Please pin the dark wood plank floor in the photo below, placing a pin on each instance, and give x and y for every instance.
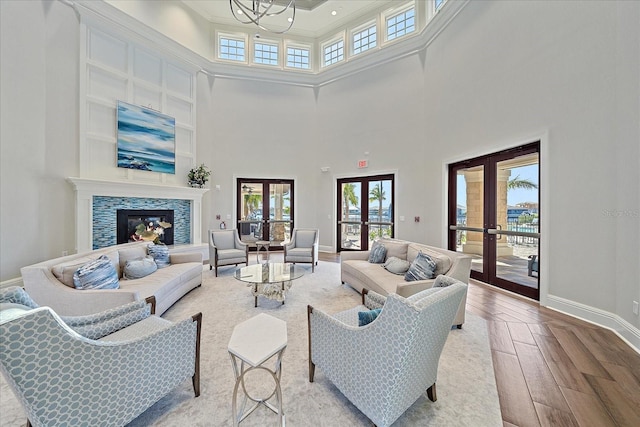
(552, 369)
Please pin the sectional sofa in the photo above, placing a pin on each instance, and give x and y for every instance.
(50, 283)
(359, 273)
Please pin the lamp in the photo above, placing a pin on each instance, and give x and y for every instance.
(268, 15)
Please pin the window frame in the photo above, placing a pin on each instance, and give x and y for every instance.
(266, 42)
(232, 36)
(301, 46)
(392, 13)
(330, 42)
(359, 29)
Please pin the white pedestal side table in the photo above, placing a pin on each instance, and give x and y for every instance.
(253, 342)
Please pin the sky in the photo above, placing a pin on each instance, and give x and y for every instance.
(513, 196)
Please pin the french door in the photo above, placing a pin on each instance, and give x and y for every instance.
(265, 210)
(365, 211)
(494, 216)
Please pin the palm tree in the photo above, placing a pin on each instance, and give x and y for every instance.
(525, 184)
(377, 193)
(348, 197)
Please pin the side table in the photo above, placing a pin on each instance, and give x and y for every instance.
(259, 245)
(253, 342)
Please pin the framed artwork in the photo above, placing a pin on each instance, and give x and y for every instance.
(146, 139)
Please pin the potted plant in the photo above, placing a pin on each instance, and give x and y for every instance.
(198, 176)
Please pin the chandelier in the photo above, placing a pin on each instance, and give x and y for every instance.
(268, 15)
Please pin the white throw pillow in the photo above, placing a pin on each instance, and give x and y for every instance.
(396, 265)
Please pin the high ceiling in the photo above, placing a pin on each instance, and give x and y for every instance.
(313, 17)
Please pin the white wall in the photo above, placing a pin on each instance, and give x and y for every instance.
(500, 74)
(38, 132)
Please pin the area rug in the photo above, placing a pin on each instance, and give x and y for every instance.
(467, 394)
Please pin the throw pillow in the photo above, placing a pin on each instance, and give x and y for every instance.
(139, 268)
(366, 317)
(160, 254)
(97, 274)
(396, 265)
(443, 281)
(377, 254)
(423, 267)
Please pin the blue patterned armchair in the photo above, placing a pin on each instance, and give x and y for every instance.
(103, 369)
(386, 365)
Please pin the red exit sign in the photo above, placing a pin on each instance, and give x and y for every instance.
(363, 164)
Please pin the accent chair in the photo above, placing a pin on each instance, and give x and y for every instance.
(384, 366)
(226, 248)
(101, 369)
(303, 247)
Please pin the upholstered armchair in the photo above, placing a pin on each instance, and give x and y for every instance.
(226, 248)
(386, 365)
(101, 369)
(303, 247)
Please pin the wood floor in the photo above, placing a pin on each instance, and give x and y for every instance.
(552, 369)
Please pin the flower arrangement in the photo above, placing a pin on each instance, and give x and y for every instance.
(198, 176)
(150, 232)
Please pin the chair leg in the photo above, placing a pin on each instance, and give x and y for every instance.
(28, 423)
(216, 271)
(431, 393)
(312, 366)
(196, 375)
(459, 326)
(210, 267)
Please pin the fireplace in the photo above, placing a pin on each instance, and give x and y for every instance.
(129, 219)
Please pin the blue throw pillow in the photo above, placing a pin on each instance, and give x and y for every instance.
(366, 317)
(97, 274)
(139, 268)
(422, 268)
(377, 254)
(160, 254)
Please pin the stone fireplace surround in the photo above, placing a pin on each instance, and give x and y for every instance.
(87, 188)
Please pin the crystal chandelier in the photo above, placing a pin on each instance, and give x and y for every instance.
(268, 15)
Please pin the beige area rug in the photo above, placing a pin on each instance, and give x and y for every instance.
(467, 393)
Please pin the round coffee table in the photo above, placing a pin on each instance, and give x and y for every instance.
(271, 280)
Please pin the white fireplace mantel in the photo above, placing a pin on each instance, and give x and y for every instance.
(87, 188)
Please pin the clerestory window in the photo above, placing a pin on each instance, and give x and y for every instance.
(298, 57)
(232, 49)
(265, 53)
(333, 52)
(401, 24)
(365, 39)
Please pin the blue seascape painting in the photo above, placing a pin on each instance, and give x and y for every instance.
(146, 139)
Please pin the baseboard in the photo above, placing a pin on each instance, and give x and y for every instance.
(625, 330)
(11, 282)
(326, 249)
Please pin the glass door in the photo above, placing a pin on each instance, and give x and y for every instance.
(494, 217)
(265, 210)
(365, 211)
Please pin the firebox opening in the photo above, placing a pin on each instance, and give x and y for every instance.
(129, 219)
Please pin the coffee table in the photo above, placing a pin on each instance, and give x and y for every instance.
(271, 280)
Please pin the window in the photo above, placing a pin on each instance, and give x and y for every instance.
(266, 53)
(298, 57)
(232, 49)
(401, 24)
(364, 40)
(439, 3)
(333, 52)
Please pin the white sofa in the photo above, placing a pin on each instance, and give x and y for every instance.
(359, 273)
(50, 282)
